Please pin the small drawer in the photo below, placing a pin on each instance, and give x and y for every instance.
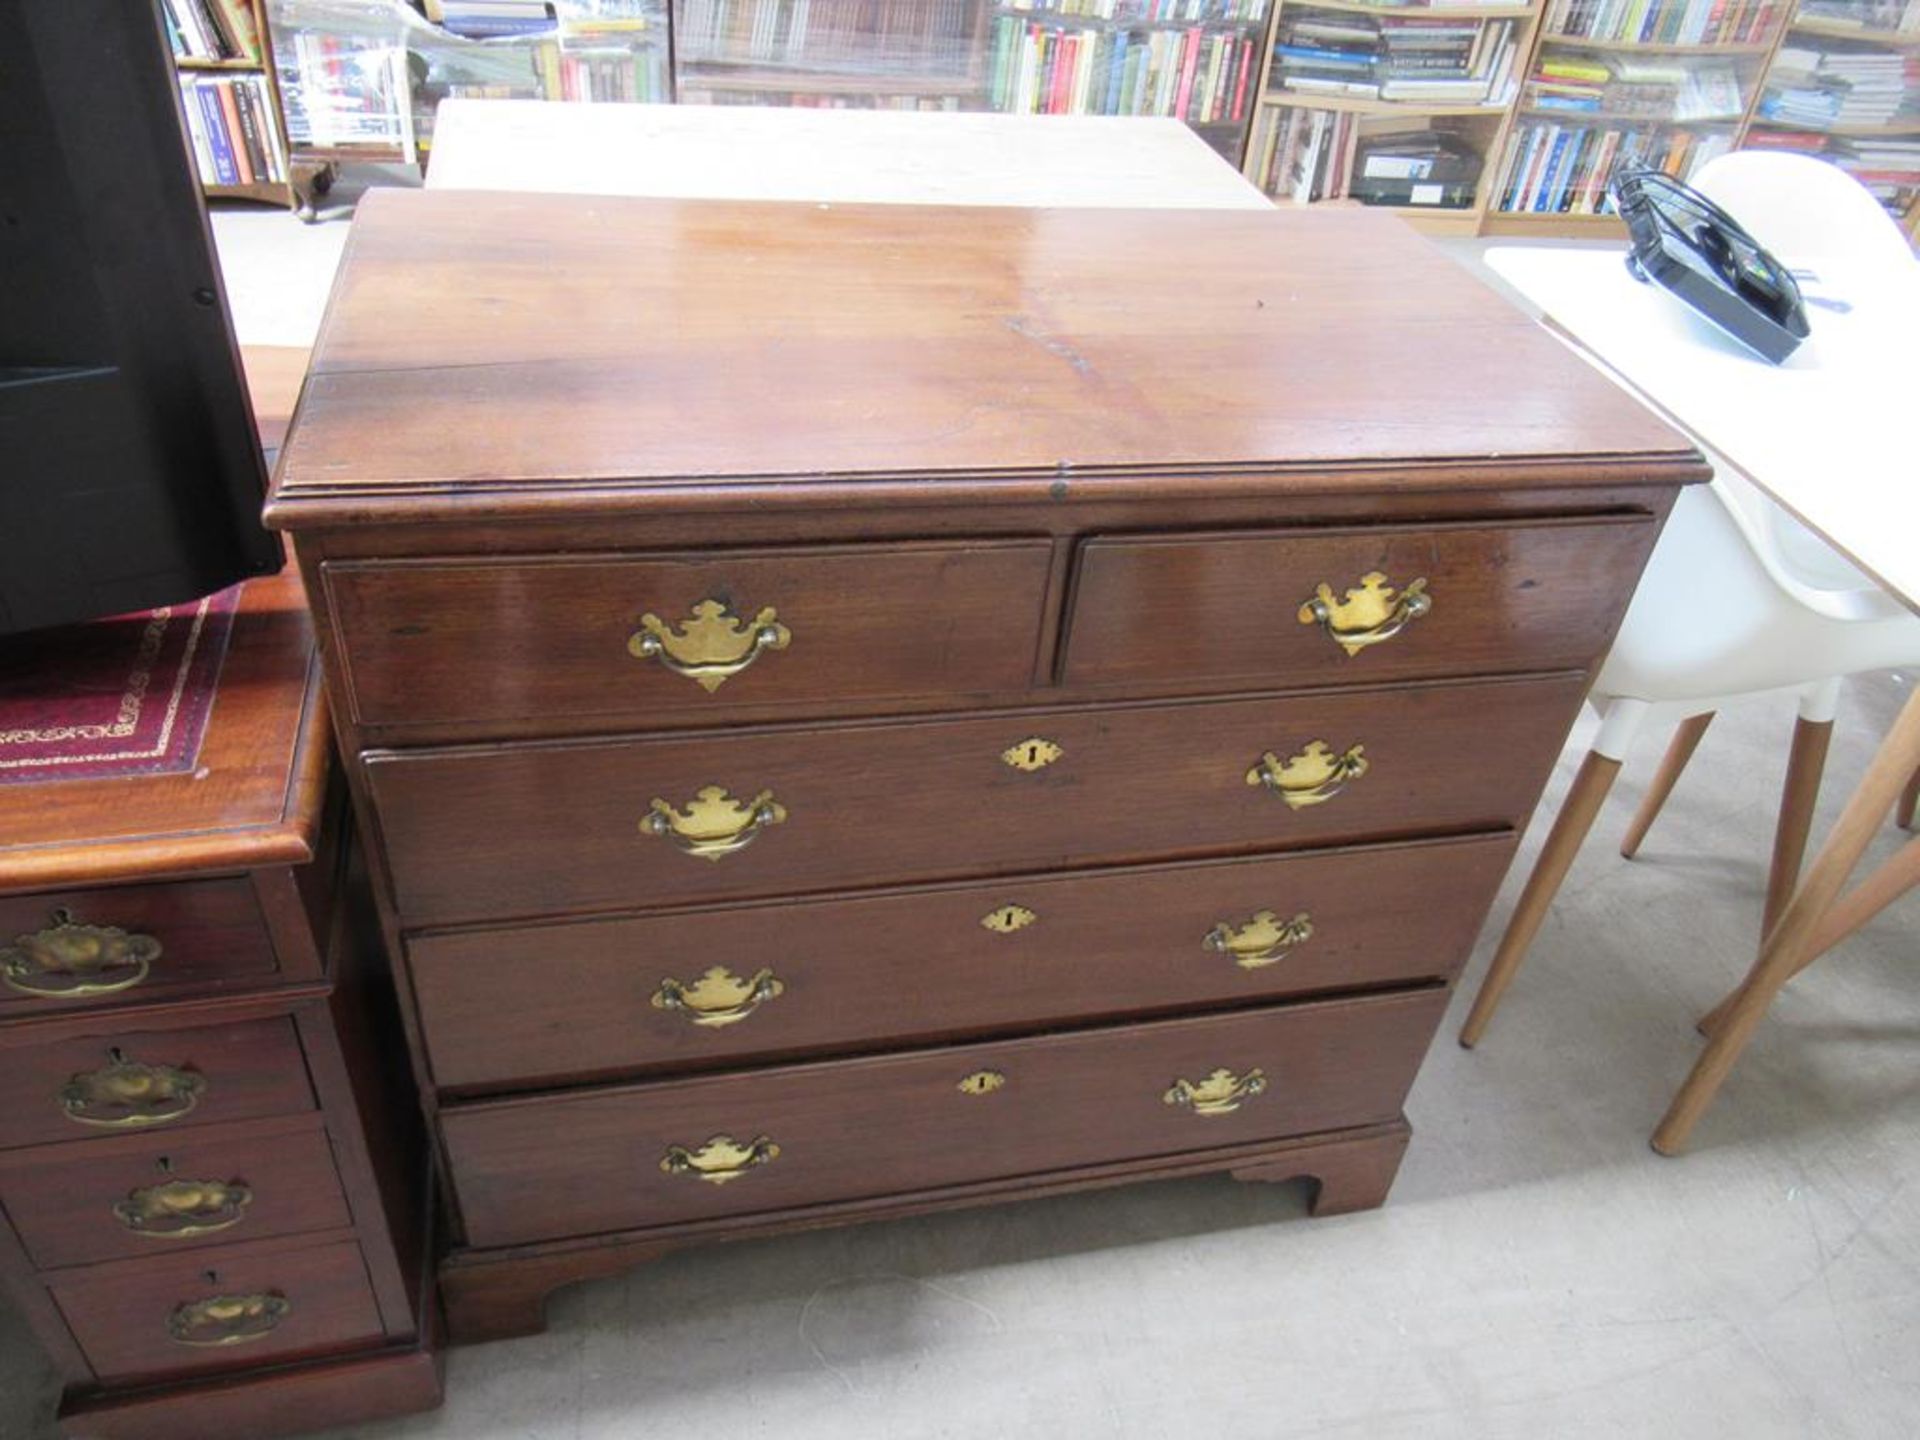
(705, 633)
(156, 1195)
(119, 1082)
(551, 1003)
(734, 1144)
(229, 1309)
(73, 948)
(557, 829)
(1351, 606)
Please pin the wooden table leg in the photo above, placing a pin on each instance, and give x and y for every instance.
(1794, 936)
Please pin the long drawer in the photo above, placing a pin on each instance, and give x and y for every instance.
(629, 1157)
(1361, 605)
(635, 636)
(491, 832)
(542, 1003)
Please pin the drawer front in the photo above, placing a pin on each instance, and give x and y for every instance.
(71, 948)
(156, 1195)
(541, 1004)
(644, 1155)
(478, 833)
(117, 1083)
(505, 641)
(1463, 600)
(137, 1320)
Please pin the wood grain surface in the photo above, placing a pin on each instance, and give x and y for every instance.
(522, 344)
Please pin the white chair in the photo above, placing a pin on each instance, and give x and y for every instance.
(1738, 598)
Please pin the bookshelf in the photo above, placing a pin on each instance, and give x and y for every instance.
(223, 59)
(1844, 85)
(1396, 106)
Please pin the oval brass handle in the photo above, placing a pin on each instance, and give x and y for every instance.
(718, 997)
(711, 646)
(179, 1209)
(1262, 940)
(721, 1159)
(1312, 777)
(227, 1319)
(1371, 613)
(714, 825)
(68, 959)
(1219, 1094)
(128, 1094)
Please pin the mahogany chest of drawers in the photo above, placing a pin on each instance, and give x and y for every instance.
(860, 710)
(213, 1202)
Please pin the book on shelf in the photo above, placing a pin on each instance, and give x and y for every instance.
(233, 130)
(212, 30)
(1821, 89)
(492, 19)
(1551, 168)
(1421, 166)
(1205, 77)
(1635, 88)
(1455, 60)
(341, 90)
(1664, 22)
(1888, 16)
(704, 93)
(1146, 12)
(907, 38)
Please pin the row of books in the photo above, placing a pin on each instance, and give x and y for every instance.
(343, 90)
(1204, 77)
(233, 130)
(211, 29)
(1303, 155)
(864, 36)
(492, 19)
(1664, 22)
(1636, 88)
(1894, 16)
(1553, 169)
(694, 91)
(613, 73)
(1453, 60)
(1888, 166)
(1147, 12)
(1824, 88)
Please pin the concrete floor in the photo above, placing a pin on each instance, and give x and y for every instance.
(1539, 1272)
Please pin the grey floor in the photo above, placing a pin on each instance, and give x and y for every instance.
(1539, 1272)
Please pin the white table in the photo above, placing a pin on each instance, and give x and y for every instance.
(1828, 436)
(836, 156)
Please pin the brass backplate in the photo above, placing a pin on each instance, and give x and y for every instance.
(1036, 752)
(1008, 918)
(982, 1082)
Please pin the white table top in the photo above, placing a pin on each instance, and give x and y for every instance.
(1829, 434)
(847, 156)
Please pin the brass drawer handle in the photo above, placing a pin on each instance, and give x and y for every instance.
(68, 959)
(1262, 940)
(714, 825)
(721, 1159)
(718, 997)
(1370, 615)
(1219, 1094)
(712, 646)
(128, 1094)
(1312, 777)
(227, 1319)
(179, 1209)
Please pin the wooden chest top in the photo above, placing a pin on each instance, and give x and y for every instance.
(552, 351)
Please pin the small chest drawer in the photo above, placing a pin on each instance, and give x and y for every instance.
(708, 633)
(735, 1144)
(226, 1309)
(117, 1082)
(67, 949)
(563, 828)
(155, 1195)
(541, 1004)
(1351, 606)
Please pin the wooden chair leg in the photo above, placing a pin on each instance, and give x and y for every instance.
(1792, 939)
(1679, 752)
(1806, 762)
(1570, 828)
(1909, 798)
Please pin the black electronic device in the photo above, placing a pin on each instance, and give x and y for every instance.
(1692, 248)
(130, 470)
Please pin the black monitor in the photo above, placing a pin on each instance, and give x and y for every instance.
(130, 472)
